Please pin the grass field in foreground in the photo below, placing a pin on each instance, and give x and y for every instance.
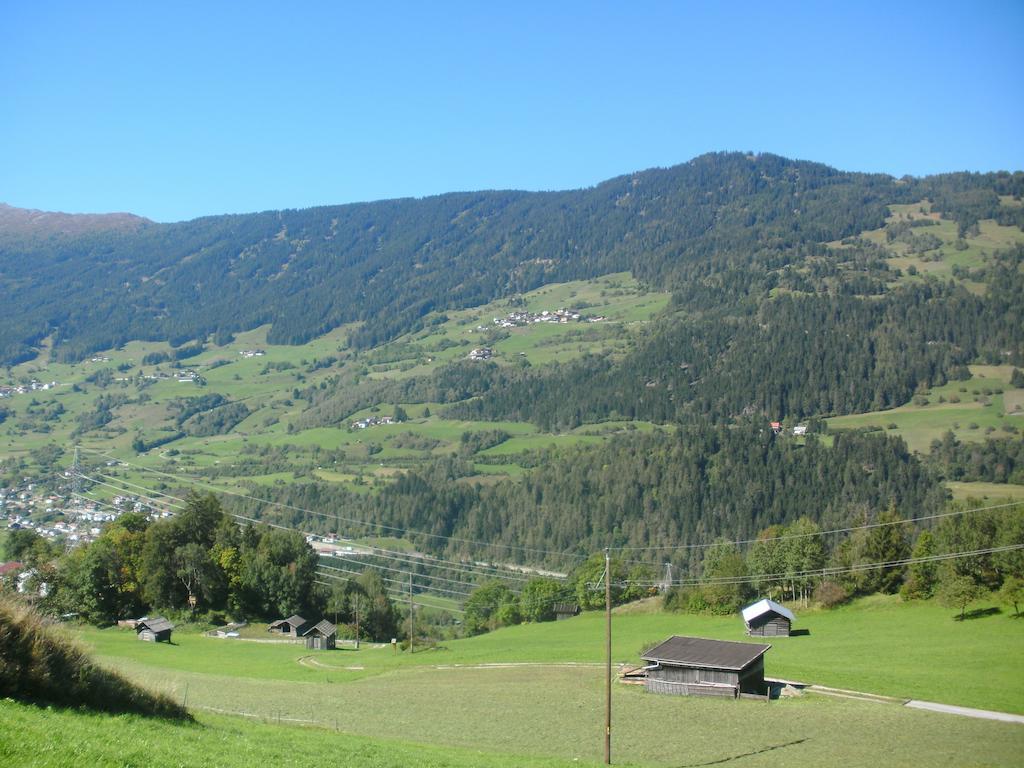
(879, 645)
(46, 738)
(557, 712)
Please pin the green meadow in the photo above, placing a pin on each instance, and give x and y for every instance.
(931, 656)
(535, 692)
(983, 406)
(971, 253)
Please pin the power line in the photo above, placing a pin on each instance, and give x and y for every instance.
(403, 572)
(405, 559)
(401, 597)
(354, 561)
(827, 571)
(849, 529)
(424, 587)
(425, 560)
(335, 516)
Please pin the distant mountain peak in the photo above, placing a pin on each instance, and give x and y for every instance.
(33, 222)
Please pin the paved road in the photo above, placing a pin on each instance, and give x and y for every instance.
(984, 714)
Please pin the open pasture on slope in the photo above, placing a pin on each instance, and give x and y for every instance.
(537, 690)
(986, 405)
(116, 398)
(878, 645)
(933, 247)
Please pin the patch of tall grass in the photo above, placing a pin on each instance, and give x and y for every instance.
(41, 663)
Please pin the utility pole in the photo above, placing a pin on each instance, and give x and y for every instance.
(608, 657)
(412, 607)
(356, 600)
(76, 474)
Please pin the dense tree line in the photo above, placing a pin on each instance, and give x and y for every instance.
(782, 561)
(198, 560)
(718, 227)
(992, 461)
(665, 488)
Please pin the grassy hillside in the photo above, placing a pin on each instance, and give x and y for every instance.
(985, 405)
(57, 738)
(930, 656)
(41, 663)
(820, 732)
(535, 692)
(145, 395)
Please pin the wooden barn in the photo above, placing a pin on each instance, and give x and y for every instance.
(766, 618)
(322, 637)
(154, 630)
(293, 626)
(565, 610)
(695, 666)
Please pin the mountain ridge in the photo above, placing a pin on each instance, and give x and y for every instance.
(388, 264)
(37, 222)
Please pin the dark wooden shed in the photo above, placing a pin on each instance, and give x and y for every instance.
(696, 666)
(322, 637)
(154, 630)
(766, 618)
(565, 610)
(293, 626)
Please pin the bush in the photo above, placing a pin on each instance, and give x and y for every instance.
(829, 594)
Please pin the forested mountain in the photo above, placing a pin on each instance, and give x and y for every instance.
(721, 229)
(782, 291)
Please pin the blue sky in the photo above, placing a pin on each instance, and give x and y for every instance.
(178, 110)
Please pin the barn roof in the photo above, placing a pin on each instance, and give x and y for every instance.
(295, 621)
(324, 628)
(155, 624)
(762, 607)
(701, 652)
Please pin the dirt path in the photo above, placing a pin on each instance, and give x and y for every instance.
(931, 706)
(984, 714)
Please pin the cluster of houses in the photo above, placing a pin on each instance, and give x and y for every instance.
(320, 636)
(481, 353)
(251, 353)
(22, 389)
(72, 521)
(184, 376)
(519, 319)
(372, 421)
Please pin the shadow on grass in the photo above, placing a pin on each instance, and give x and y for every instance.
(761, 751)
(979, 613)
(800, 633)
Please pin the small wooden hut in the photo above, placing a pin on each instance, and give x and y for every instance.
(322, 637)
(766, 618)
(154, 630)
(695, 666)
(293, 626)
(565, 610)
